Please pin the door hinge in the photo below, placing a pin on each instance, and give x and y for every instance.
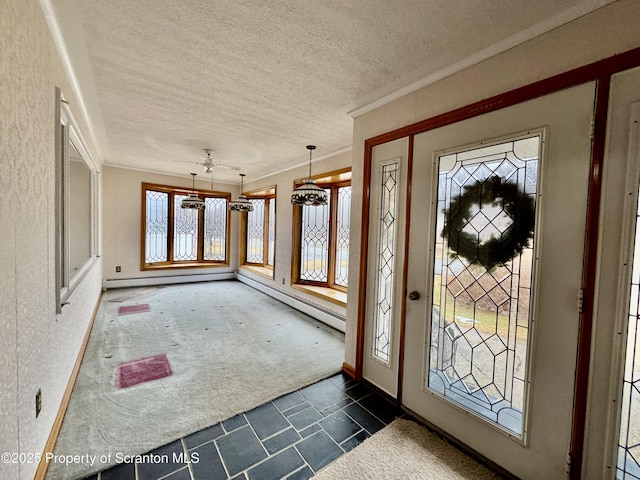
(580, 300)
(568, 463)
(592, 127)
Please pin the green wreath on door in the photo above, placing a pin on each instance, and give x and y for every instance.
(495, 251)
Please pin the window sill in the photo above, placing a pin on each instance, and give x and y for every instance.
(329, 294)
(173, 266)
(262, 271)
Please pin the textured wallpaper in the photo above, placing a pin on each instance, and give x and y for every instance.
(37, 347)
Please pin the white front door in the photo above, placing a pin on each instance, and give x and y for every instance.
(496, 236)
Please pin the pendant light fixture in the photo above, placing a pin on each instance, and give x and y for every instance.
(193, 200)
(242, 204)
(309, 193)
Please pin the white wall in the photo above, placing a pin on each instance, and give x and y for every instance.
(37, 347)
(610, 30)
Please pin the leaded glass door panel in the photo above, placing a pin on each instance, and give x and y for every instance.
(497, 227)
(385, 264)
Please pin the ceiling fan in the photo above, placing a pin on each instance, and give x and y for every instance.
(208, 163)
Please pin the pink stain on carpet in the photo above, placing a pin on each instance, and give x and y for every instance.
(143, 370)
(128, 309)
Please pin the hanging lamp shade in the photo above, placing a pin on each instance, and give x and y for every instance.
(309, 193)
(193, 200)
(241, 204)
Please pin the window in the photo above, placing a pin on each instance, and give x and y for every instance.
(321, 234)
(175, 237)
(75, 205)
(259, 231)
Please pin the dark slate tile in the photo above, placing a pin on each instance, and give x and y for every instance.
(153, 469)
(354, 441)
(124, 471)
(305, 418)
(364, 418)
(345, 402)
(242, 476)
(240, 449)
(203, 436)
(209, 464)
(358, 391)
(182, 474)
(339, 426)
(323, 394)
(297, 408)
(319, 450)
(234, 423)
(310, 430)
(277, 467)
(305, 474)
(288, 401)
(281, 441)
(341, 379)
(330, 409)
(266, 420)
(380, 407)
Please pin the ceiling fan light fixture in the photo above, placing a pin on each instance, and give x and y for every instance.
(309, 193)
(242, 203)
(193, 201)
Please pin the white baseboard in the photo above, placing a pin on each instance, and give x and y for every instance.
(319, 314)
(149, 281)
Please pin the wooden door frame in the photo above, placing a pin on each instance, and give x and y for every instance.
(600, 72)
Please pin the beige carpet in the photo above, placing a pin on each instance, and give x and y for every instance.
(405, 450)
(230, 348)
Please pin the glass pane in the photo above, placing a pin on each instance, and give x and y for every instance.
(629, 442)
(386, 261)
(482, 279)
(255, 232)
(342, 237)
(314, 255)
(79, 211)
(272, 232)
(185, 231)
(215, 229)
(157, 226)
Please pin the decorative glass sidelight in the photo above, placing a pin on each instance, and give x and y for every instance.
(185, 231)
(482, 279)
(314, 254)
(629, 443)
(215, 228)
(387, 240)
(255, 231)
(157, 226)
(342, 236)
(271, 240)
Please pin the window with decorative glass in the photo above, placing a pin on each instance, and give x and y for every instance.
(174, 237)
(258, 231)
(321, 235)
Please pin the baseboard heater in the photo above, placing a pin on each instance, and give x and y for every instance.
(168, 280)
(324, 316)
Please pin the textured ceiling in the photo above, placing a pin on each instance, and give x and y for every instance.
(256, 81)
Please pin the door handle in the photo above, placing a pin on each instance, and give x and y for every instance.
(414, 295)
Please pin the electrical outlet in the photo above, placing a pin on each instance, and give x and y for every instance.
(38, 402)
(118, 269)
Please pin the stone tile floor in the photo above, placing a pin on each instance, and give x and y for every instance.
(291, 437)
